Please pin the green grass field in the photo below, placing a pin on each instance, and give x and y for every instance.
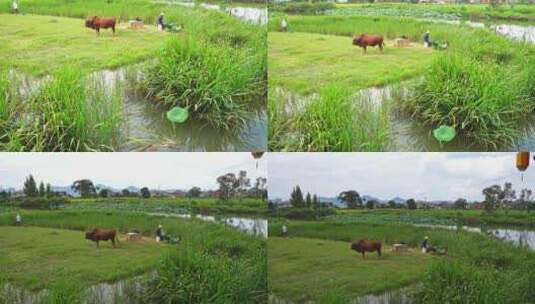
(301, 269)
(305, 62)
(37, 257)
(40, 45)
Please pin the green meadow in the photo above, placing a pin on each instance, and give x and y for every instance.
(39, 45)
(37, 257)
(464, 86)
(321, 266)
(305, 62)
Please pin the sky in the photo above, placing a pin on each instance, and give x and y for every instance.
(425, 176)
(120, 170)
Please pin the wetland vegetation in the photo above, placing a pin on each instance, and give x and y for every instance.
(464, 87)
(226, 100)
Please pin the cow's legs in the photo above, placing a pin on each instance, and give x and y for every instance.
(364, 50)
(113, 29)
(98, 31)
(381, 47)
(97, 245)
(379, 251)
(363, 255)
(113, 242)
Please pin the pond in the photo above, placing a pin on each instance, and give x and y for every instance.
(522, 237)
(146, 128)
(253, 15)
(252, 226)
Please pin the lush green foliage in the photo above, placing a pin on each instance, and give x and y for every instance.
(208, 80)
(304, 269)
(483, 85)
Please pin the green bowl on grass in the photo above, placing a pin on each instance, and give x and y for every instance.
(178, 114)
(444, 133)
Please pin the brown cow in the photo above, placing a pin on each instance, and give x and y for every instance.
(96, 23)
(366, 40)
(366, 245)
(97, 235)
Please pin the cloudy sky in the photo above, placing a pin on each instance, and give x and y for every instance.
(432, 176)
(154, 170)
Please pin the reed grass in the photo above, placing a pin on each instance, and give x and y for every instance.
(207, 80)
(336, 120)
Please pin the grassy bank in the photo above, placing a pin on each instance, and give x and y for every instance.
(37, 257)
(446, 217)
(443, 11)
(246, 206)
(211, 260)
(504, 272)
(302, 269)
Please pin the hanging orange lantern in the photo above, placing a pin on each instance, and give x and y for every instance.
(522, 161)
(257, 154)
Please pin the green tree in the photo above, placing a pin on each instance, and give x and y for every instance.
(85, 187)
(371, 204)
(104, 193)
(244, 182)
(30, 187)
(460, 203)
(194, 192)
(296, 198)
(228, 186)
(145, 192)
(42, 189)
(48, 190)
(315, 202)
(351, 198)
(308, 200)
(411, 204)
(392, 204)
(260, 188)
(125, 192)
(493, 196)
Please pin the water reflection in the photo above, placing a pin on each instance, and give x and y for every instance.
(519, 237)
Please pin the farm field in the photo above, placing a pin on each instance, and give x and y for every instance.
(430, 92)
(323, 266)
(114, 92)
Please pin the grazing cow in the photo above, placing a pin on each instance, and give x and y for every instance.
(96, 23)
(366, 40)
(366, 245)
(97, 235)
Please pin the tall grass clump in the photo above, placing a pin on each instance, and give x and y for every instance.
(484, 102)
(336, 120)
(213, 82)
(214, 273)
(65, 291)
(67, 114)
(10, 106)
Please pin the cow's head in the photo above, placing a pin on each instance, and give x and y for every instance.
(90, 22)
(357, 246)
(357, 40)
(89, 234)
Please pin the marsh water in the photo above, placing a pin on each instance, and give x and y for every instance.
(145, 127)
(522, 237)
(252, 226)
(254, 15)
